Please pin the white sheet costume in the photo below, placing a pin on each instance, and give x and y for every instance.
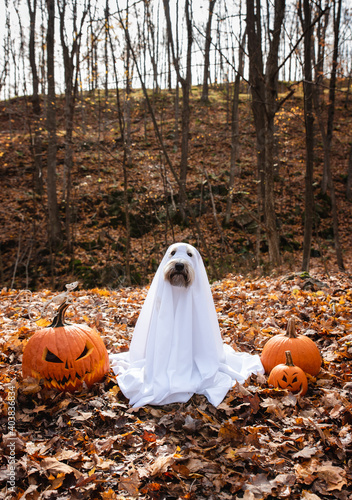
(176, 349)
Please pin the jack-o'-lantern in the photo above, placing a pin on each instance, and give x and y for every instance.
(304, 351)
(288, 376)
(65, 356)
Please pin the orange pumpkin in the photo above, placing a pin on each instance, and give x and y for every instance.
(304, 351)
(65, 356)
(288, 376)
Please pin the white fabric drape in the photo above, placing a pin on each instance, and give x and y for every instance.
(176, 350)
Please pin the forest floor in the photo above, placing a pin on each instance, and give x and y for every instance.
(260, 442)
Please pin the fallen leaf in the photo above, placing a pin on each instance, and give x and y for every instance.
(130, 484)
(306, 452)
(55, 467)
(161, 465)
(335, 477)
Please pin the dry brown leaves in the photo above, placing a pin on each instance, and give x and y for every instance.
(259, 443)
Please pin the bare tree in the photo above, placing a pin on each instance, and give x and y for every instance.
(92, 50)
(205, 89)
(54, 229)
(125, 129)
(326, 134)
(71, 58)
(327, 137)
(235, 131)
(185, 82)
(152, 43)
(106, 52)
(305, 15)
(7, 38)
(328, 181)
(321, 29)
(264, 107)
(349, 176)
(37, 136)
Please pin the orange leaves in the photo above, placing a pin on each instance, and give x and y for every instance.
(151, 488)
(102, 292)
(149, 437)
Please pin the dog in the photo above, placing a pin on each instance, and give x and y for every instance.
(179, 270)
(176, 349)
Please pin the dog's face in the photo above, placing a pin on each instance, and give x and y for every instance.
(179, 270)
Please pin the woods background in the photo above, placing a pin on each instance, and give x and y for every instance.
(129, 125)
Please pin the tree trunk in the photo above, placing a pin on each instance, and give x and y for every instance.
(331, 112)
(264, 107)
(307, 27)
(124, 117)
(54, 229)
(152, 45)
(127, 157)
(256, 81)
(332, 92)
(70, 58)
(234, 132)
(349, 177)
(328, 182)
(271, 82)
(205, 90)
(186, 86)
(37, 137)
(322, 25)
(106, 54)
(6, 48)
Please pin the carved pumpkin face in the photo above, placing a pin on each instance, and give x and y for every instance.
(288, 376)
(65, 356)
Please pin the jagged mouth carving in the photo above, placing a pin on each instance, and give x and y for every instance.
(66, 381)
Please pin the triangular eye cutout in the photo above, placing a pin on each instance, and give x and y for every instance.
(86, 351)
(51, 357)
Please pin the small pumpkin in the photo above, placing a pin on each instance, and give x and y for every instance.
(289, 376)
(304, 351)
(65, 356)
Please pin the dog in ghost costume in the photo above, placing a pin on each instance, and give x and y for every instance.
(176, 349)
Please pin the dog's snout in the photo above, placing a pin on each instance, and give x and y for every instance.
(179, 266)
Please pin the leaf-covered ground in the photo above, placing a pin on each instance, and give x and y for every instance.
(259, 443)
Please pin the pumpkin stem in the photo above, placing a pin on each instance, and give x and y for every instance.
(291, 329)
(59, 319)
(289, 361)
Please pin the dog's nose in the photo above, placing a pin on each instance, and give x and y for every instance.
(179, 266)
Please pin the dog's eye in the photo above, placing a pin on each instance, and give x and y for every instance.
(190, 254)
(173, 252)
